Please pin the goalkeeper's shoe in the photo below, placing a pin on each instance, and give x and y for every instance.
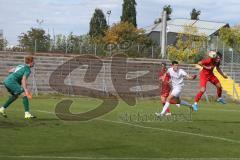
(29, 116)
(2, 112)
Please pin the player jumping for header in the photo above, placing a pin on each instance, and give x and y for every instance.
(207, 75)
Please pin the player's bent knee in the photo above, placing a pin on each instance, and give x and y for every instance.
(15, 96)
(219, 86)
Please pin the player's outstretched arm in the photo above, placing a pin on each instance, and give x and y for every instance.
(221, 72)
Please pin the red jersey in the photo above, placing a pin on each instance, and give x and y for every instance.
(165, 78)
(209, 62)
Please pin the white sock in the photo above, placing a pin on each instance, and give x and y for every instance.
(165, 108)
(185, 103)
(27, 113)
(2, 108)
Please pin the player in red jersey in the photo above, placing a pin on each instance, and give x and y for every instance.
(207, 75)
(164, 77)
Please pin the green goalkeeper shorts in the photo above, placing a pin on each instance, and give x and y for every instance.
(13, 87)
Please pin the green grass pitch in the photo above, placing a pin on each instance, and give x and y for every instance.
(214, 132)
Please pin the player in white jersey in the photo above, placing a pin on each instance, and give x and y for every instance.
(177, 79)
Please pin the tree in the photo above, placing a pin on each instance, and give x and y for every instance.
(60, 45)
(195, 14)
(189, 46)
(168, 10)
(3, 44)
(71, 43)
(98, 24)
(129, 12)
(125, 37)
(125, 32)
(231, 37)
(35, 36)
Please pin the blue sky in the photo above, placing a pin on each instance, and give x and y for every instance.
(65, 16)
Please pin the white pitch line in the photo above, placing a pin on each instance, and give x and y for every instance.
(87, 158)
(112, 158)
(162, 129)
(175, 131)
(45, 112)
(223, 110)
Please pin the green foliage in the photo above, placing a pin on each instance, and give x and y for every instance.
(189, 46)
(129, 12)
(231, 37)
(27, 40)
(70, 43)
(98, 24)
(127, 36)
(195, 14)
(125, 32)
(60, 43)
(3, 44)
(168, 9)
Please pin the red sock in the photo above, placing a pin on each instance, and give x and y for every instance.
(198, 97)
(172, 101)
(219, 92)
(168, 110)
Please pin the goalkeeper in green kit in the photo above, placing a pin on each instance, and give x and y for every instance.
(16, 84)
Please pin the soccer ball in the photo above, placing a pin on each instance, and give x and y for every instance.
(212, 54)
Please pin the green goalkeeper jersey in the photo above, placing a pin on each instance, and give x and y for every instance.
(19, 72)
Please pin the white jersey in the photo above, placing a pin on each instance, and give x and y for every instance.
(177, 77)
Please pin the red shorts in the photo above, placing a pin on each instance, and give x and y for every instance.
(204, 78)
(165, 91)
(165, 95)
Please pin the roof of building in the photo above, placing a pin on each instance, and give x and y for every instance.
(177, 26)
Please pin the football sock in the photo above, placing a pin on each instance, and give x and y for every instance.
(173, 101)
(165, 108)
(10, 100)
(219, 92)
(168, 110)
(26, 104)
(199, 95)
(185, 103)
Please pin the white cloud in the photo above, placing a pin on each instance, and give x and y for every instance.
(64, 16)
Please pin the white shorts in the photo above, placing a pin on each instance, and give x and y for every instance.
(176, 91)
